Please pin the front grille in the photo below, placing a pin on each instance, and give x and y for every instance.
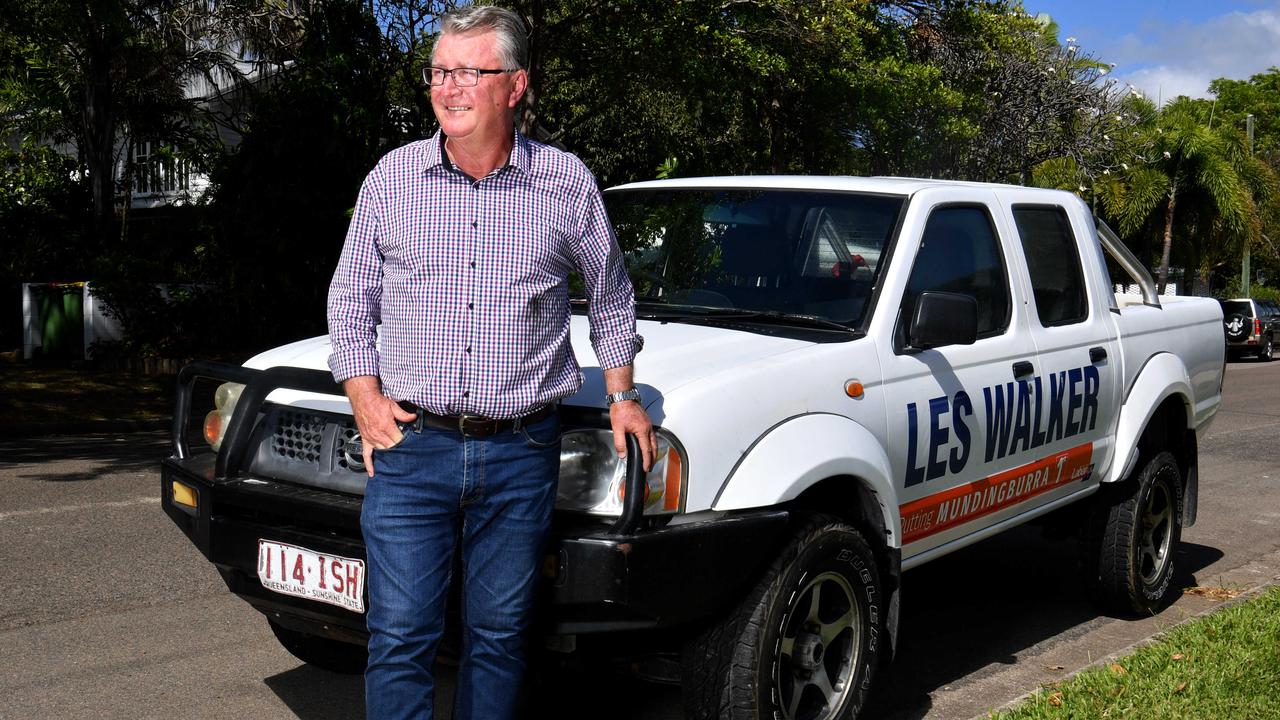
(306, 447)
(298, 436)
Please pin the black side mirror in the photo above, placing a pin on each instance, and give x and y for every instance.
(943, 318)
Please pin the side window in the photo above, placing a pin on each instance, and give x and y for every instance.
(959, 253)
(1054, 263)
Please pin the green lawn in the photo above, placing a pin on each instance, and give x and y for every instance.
(34, 395)
(1222, 666)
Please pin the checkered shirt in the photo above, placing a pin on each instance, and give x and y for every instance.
(454, 292)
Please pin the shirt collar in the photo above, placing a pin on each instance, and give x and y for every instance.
(433, 153)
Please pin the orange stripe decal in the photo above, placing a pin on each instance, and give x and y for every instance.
(940, 511)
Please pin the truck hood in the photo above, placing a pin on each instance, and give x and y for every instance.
(674, 354)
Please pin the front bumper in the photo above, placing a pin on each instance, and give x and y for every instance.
(596, 581)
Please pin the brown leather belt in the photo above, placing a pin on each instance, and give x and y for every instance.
(474, 426)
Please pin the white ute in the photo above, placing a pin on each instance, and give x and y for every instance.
(851, 377)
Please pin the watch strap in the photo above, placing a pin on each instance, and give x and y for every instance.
(632, 394)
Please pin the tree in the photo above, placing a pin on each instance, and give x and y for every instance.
(1258, 96)
(280, 201)
(87, 73)
(1008, 97)
(1190, 171)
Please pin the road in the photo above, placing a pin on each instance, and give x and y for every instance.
(108, 612)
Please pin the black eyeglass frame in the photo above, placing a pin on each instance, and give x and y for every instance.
(446, 72)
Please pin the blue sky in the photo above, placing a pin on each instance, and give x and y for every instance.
(1168, 48)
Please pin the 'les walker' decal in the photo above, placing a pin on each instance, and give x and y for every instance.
(940, 511)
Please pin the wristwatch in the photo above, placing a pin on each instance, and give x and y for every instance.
(632, 394)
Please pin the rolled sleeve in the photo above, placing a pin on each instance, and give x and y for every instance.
(610, 297)
(355, 293)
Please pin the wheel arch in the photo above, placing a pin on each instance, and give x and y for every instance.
(1157, 416)
(844, 473)
(841, 459)
(1156, 405)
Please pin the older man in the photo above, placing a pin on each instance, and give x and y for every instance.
(449, 316)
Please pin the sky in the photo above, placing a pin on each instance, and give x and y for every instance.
(1167, 48)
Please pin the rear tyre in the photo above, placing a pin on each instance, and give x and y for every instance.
(333, 655)
(1267, 351)
(1135, 531)
(805, 642)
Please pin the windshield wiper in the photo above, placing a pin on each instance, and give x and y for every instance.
(676, 311)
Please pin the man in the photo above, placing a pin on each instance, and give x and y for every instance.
(449, 318)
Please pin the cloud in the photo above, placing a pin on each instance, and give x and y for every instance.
(1166, 60)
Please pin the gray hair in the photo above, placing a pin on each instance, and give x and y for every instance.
(508, 28)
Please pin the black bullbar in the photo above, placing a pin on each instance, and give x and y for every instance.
(600, 577)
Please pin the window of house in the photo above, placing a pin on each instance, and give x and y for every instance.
(960, 253)
(1053, 261)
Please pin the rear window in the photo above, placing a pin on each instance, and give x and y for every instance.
(1237, 307)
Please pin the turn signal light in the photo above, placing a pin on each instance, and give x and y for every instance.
(213, 428)
(671, 497)
(184, 495)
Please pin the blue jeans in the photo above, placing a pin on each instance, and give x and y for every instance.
(497, 494)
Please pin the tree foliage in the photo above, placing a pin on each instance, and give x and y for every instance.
(318, 90)
(1189, 188)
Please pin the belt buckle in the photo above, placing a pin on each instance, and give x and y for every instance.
(464, 418)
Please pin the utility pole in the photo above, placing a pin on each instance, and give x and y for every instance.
(1244, 266)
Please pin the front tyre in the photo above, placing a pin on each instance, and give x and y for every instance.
(805, 642)
(1136, 538)
(333, 655)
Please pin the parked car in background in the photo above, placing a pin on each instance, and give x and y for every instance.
(1250, 327)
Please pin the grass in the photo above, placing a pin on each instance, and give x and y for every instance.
(1224, 665)
(35, 396)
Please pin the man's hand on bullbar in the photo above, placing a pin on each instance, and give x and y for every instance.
(628, 417)
(376, 417)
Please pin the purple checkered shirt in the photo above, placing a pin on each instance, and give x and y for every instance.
(454, 292)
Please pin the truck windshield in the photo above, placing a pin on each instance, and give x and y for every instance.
(802, 253)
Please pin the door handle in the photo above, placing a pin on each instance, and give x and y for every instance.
(1097, 354)
(1022, 368)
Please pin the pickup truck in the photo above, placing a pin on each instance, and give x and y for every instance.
(851, 377)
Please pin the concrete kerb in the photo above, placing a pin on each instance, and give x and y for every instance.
(1272, 561)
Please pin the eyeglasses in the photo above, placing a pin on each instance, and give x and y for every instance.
(462, 77)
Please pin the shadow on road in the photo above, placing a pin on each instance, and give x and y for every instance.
(579, 694)
(975, 608)
(314, 694)
(113, 452)
(983, 605)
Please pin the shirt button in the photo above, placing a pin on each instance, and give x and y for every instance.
(466, 393)
(475, 224)
(473, 263)
(471, 306)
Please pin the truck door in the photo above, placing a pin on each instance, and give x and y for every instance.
(1078, 376)
(941, 448)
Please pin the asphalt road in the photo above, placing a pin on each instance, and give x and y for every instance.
(108, 612)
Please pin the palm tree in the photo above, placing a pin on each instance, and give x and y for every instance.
(1189, 169)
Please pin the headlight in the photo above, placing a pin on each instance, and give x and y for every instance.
(224, 404)
(593, 479)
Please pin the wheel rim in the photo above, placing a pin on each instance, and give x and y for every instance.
(1157, 531)
(819, 649)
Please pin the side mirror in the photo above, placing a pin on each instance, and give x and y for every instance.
(943, 318)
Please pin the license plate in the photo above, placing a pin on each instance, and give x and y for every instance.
(292, 570)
